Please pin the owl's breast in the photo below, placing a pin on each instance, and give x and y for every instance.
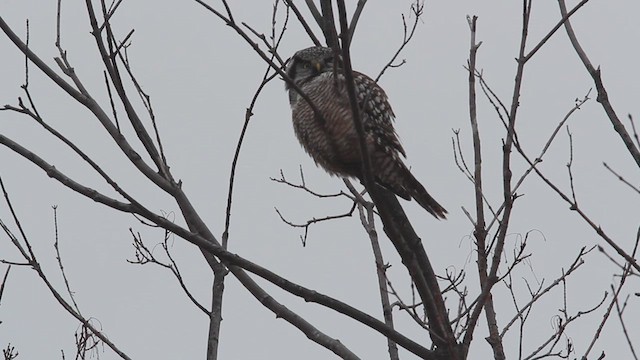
(328, 135)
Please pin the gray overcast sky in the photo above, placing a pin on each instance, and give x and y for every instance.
(201, 77)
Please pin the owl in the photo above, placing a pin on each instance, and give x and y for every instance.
(329, 136)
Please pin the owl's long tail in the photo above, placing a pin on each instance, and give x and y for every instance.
(422, 197)
(391, 173)
(400, 181)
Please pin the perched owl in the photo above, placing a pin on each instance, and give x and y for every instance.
(331, 139)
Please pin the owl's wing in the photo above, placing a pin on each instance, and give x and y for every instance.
(378, 116)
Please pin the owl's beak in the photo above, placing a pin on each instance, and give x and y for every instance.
(317, 65)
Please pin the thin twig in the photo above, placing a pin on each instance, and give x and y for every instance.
(597, 228)
(231, 23)
(569, 168)
(144, 256)
(577, 263)
(4, 282)
(32, 260)
(417, 9)
(615, 294)
(305, 226)
(59, 259)
(623, 180)
(303, 186)
(619, 312)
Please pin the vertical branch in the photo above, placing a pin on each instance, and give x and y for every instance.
(381, 271)
(219, 270)
(328, 25)
(367, 219)
(480, 231)
(215, 317)
(485, 296)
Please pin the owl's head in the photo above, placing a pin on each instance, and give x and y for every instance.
(308, 63)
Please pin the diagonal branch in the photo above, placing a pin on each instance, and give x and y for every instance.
(303, 22)
(110, 63)
(93, 106)
(35, 265)
(603, 97)
(396, 225)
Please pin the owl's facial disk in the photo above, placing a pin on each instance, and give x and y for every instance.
(309, 63)
(301, 70)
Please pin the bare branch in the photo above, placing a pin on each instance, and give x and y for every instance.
(562, 21)
(234, 163)
(10, 352)
(367, 219)
(480, 231)
(4, 282)
(623, 180)
(92, 105)
(65, 180)
(619, 311)
(603, 97)
(33, 262)
(417, 9)
(315, 13)
(230, 22)
(305, 226)
(303, 22)
(420, 271)
(561, 324)
(59, 259)
(303, 186)
(577, 263)
(109, 59)
(356, 16)
(573, 206)
(633, 129)
(615, 295)
(569, 165)
(145, 256)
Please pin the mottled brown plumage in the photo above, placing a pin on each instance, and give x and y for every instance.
(331, 139)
